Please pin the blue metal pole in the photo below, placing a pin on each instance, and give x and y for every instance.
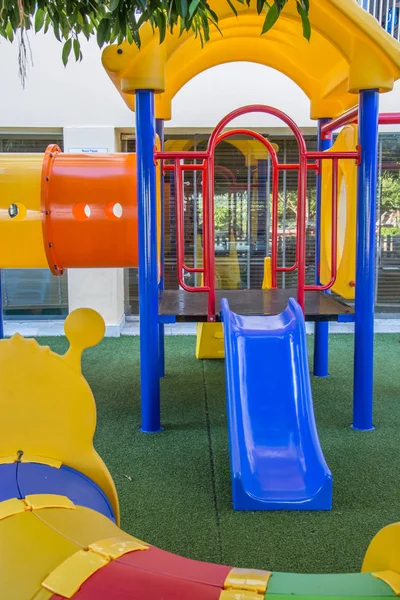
(365, 257)
(161, 332)
(148, 274)
(321, 329)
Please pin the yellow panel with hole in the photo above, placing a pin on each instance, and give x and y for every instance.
(383, 553)
(83, 525)
(347, 213)
(63, 421)
(21, 240)
(25, 535)
(348, 51)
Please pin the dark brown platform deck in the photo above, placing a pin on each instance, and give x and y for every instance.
(187, 306)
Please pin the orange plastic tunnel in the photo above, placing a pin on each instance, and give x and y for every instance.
(68, 210)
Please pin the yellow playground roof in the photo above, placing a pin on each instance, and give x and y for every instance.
(349, 51)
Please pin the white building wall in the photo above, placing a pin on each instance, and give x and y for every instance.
(101, 289)
(82, 94)
(82, 101)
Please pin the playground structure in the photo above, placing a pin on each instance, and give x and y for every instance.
(276, 462)
(58, 502)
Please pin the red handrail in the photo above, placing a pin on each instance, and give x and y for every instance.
(180, 233)
(207, 168)
(351, 116)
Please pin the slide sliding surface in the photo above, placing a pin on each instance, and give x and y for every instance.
(276, 458)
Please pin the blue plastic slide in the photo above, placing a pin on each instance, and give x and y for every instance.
(276, 458)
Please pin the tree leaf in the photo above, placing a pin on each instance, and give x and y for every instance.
(271, 18)
(260, 5)
(182, 7)
(77, 49)
(162, 25)
(66, 51)
(47, 24)
(303, 12)
(193, 6)
(233, 7)
(9, 31)
(103, 31)
(39, 19)
(114, 5)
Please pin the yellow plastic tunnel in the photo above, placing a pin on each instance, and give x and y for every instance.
(68, 210)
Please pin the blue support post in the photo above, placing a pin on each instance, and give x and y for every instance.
(161, 332)
(365, 261)
(148, 268)
(321, 329)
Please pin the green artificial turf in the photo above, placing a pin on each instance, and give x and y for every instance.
(174, 487)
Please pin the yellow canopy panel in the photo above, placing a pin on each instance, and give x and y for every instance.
(349, 51)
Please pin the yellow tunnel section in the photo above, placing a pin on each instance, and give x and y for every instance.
(21, 237)
(62, 210)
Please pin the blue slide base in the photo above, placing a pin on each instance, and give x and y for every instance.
(276, 458)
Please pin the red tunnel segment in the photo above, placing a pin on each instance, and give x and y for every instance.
(154, 575)
(89, 203)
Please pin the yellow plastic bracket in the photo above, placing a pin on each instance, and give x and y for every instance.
(391, 578)
(68, 577)
(209, 340)
(239, 595)
(248, 580)
(11, 507)
(267, 281)
(112, 548)
(38, 501)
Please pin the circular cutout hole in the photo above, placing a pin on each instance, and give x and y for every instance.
(81, 211)
(17, 211)
(117, 210)
(113, 210)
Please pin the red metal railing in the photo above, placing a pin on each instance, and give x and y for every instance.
(351, 116)
(207, 167)
(216, 136)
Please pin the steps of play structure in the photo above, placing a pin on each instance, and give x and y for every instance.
(276, 458)
(186, 306)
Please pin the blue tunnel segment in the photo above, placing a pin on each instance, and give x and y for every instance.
(20, 479)
(276, 458)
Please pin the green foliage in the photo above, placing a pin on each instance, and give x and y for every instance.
(119, 20)
(390, 191)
